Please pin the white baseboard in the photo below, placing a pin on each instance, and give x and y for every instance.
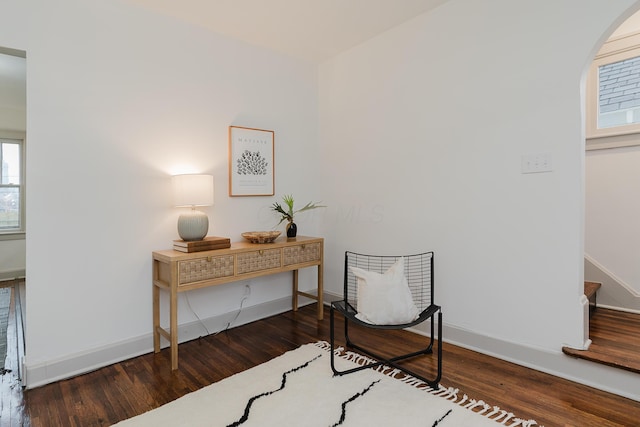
(37, 375)
(601, 377)
(625, 310)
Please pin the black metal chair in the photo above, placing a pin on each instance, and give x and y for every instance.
(418, 271)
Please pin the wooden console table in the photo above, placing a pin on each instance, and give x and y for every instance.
(178, 272)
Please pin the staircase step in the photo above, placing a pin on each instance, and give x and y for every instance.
(615, 339)
(605, 356)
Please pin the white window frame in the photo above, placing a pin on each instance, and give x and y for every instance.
(17, 233)
(614, 50)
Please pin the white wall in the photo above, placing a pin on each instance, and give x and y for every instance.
(119, 99)
(13, 119)
(629, 26)
(425, 127)
(612, 236)
(13, 258)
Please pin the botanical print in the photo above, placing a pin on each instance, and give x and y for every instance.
(250, 162)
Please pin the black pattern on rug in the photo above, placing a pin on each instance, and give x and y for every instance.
(283, 382)
(442, 418)
(343, 415)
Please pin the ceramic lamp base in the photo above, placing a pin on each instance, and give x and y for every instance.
(193, 225)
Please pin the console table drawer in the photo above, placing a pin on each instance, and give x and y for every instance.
(301, 254)
(205, 268)
(248, 262)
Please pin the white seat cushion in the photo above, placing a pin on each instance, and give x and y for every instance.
(385, 299)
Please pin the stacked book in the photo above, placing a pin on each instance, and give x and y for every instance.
(207, 244)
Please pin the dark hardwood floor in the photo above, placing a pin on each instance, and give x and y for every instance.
(615, 337)
(125, 389)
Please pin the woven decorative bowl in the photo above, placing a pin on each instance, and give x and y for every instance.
(261, 236)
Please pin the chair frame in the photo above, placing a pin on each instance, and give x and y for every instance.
(428, 311)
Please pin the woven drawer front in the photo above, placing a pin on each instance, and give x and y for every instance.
(205, 269)
(301, 253)
(249, 262)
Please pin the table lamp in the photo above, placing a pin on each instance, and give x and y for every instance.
(192, 191)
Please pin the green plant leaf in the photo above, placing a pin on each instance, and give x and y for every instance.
(289, 213)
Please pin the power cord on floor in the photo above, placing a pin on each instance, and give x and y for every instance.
(247, 292)
(245, 296)
(186, 296)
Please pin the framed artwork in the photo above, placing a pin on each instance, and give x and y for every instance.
(251, 162)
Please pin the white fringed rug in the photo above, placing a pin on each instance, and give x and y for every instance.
(299, 389)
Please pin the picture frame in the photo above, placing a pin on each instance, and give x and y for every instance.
(251, 162)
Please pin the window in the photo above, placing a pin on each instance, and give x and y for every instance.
(613, 94)
(11, 186)
(619, 93)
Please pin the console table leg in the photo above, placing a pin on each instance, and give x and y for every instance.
(173, 331)
(320, 293)
(156, 319)
(295, 290)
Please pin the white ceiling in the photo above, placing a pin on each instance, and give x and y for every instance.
(313, 30)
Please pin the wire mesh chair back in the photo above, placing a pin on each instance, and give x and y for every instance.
(418, 270)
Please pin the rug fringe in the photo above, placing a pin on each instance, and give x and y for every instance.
(449, 393)
(323, 345)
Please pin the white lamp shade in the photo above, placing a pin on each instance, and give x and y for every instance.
(193, 190)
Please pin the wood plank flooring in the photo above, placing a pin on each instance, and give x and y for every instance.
(125, 389)
(615, 337)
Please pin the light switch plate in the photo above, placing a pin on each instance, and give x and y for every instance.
(536, 163)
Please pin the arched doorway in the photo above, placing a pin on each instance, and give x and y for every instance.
(12, 211)
(611, 180)
(612, 172)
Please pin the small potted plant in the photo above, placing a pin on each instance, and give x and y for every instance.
(288, 213)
